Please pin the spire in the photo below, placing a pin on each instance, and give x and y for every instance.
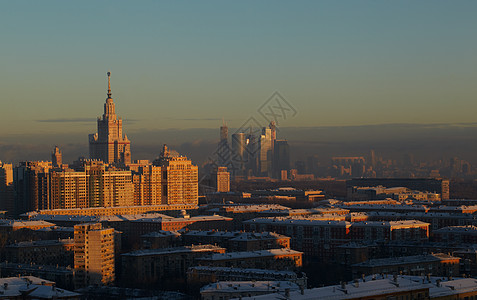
(109, 85)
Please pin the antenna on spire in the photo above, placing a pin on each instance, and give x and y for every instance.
(109, 84)
(223, 122)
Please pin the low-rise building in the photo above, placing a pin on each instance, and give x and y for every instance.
(386, 287)
(236, 241)
(63, 276)
(161, 239)
(7, 226)
(201, 275)
(319, 238)
(274, 259)
(456, 234)
(438, 264)
(160, 266)
(43, 252)
(29, 287)
(237, 289)
(408, 230)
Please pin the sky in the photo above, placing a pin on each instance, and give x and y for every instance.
(190, 64)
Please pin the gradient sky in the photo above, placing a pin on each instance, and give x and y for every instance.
(180, 64)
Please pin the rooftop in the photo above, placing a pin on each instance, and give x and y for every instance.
(241, 270)
(13, 287)
(471, 229)
(248, 286)
(404, 260)
(174, 250)
(251, 254)
(161, 233)
(351, 291)
(234, 235)
(21, 223)
(41, 243)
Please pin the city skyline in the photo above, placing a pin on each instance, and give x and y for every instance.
(238, 150)
(339, 64)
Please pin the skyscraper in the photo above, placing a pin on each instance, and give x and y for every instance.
(265, 152)
(56, 157)
(281, 157)
(238, 152)
(273, 132)
(223, 149)
(108, 144)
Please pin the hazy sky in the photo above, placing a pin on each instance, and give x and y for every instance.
(180, 64)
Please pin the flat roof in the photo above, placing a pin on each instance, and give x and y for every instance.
(251, 254)
(404, 260)
(173, 250)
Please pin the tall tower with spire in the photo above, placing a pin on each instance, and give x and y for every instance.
(109, 144)
(56, 157)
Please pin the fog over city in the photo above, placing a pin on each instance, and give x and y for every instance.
(425, 141)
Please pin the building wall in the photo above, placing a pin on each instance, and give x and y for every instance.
(6, 188)
(141, 269)
(94, 255)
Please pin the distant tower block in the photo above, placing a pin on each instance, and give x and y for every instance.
(109, 144)
(273, 128)
(223, 148)
(224, 131)
(221, 180)
(56, 157)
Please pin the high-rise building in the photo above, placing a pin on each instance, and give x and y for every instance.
(179, 178)
(56, 157)
(92, 184)
(6, 188)
(109, 144)
(281, 157)
(148, 182)
(223, 148)
(221, 180)
(93, 255)
(238, 149)
(31, 184)
(68, 189)
(251, 156)
(108, 186)
(265, 152)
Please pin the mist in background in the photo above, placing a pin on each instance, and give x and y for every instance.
(391, 141)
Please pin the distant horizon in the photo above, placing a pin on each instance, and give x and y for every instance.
(426, 141)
